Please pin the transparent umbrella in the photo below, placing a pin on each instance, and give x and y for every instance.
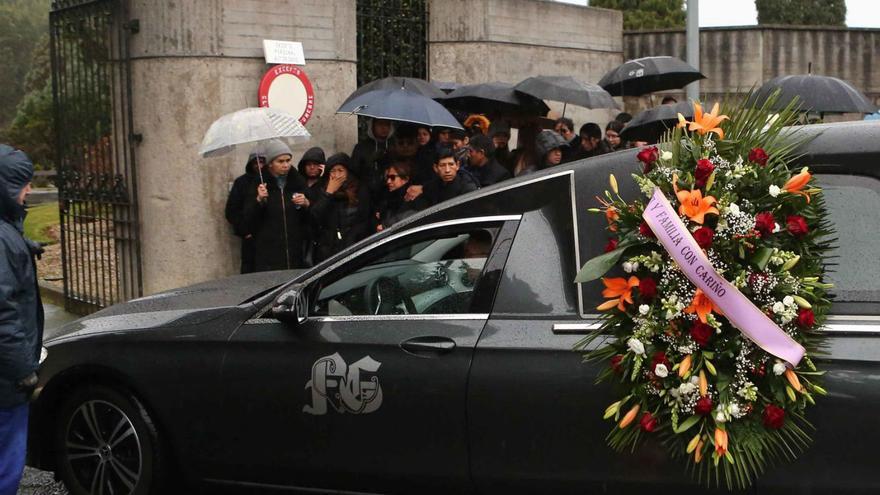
(251, 126)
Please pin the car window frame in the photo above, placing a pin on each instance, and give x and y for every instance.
(506, 225)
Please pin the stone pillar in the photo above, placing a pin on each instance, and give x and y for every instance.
(473, 41)
(192, 62)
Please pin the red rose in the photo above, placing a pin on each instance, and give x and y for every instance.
(701, 333)
(703, 405)
(797, 225)
(806, 318)
(759, 156)
(703, 236)
(774, 416)
(615, 363)
(765, 223)
(703, 171)
(611, 246)
(648, 288)
(648, 156)
(646, 231)
(648, 422)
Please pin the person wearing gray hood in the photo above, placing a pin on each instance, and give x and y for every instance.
(21, 316)
(548, 151)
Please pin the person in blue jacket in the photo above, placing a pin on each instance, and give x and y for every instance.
(21, 316)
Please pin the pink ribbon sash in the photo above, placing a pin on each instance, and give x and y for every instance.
(744, 315)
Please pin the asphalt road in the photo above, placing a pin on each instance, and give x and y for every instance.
(36, 482)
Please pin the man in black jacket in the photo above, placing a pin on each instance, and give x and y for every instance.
(277, 213)
(241, 189)
(21, 316)
(482, 164)
(448, 182)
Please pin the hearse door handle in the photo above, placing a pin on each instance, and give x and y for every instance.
(428, 345)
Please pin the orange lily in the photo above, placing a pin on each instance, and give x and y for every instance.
(629, 417)
(695, 206)
(685, 366)
(796, 184)
(793, 380)
(720, 442)
(705, 123)
(620, 290)
(704, 384)
(610, 214)
(698, 453)
(702, 306)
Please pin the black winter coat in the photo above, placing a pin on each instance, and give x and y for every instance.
(338, 225)
(21, 311)
(490, 173)
(392, 208)
(241, 189)
(437, 191)
(280, 229)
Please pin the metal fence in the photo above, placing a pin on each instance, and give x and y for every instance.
(97, 191)
(392, 39)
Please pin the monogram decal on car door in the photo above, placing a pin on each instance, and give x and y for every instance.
(347, 388)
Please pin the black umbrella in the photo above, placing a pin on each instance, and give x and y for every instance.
(567, 90)
(646, 75)
(495, 98)
(411, 84)
(649, 125)
(446, 86)
(402, 106)
(822, 94)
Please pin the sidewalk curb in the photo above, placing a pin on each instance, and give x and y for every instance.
(51, 294)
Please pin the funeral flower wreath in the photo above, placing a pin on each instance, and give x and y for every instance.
(718, 315)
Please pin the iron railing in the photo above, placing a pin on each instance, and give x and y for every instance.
(392, 39)
(97, 191)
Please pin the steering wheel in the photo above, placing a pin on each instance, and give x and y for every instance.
(383, 294)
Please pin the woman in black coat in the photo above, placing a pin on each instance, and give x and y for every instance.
(341, 212)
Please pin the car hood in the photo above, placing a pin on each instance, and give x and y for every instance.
(185, 306)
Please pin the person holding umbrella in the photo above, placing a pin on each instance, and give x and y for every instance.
(276, 213)
(369, 156)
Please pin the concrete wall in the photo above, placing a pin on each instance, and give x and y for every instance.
(473, 41)
(734, 59)
(193, 62)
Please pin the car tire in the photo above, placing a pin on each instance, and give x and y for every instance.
(105, 438)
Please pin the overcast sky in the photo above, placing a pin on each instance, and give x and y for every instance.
(859, 13)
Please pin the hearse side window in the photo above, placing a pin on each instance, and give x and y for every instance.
(435, 273)
(854, 207)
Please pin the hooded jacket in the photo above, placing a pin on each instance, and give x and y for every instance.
(235, 202)
(368, 156)
(339, 224)
(21, 311)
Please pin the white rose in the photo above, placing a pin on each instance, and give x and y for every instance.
(788, 300)
(636, 346)
(720, 417)
(779, 368)
(627, 267)
(733, 409)
(666, 155)
(643, 309)
(774, 190)
(778, 307)
(686, 388)
(661, 370)
(733, 208)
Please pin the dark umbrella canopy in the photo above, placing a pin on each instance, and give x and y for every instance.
(646, 75)
(822, 94)
(567, 90)
(402, 106)
(650, 124)
(446, 86)
(495, 98)
(413, 85)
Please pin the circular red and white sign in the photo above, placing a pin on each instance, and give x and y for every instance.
(288, 88)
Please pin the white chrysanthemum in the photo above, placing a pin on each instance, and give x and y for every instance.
(636, 346)
(778, 307)
(779, 368)
(774, 190)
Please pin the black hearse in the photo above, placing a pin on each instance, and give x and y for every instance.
(433, 357)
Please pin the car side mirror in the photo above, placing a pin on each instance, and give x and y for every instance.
(292, 305)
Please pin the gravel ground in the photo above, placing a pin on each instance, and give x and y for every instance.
(37, 482)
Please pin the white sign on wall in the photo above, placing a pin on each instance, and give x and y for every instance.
(283, 52)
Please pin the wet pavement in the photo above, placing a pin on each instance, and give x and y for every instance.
(36, 482)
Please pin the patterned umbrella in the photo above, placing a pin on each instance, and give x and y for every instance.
(646, 75)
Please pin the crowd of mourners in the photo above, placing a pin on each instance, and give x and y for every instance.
(296, 216)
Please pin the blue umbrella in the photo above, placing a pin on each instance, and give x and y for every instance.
(402, 106)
